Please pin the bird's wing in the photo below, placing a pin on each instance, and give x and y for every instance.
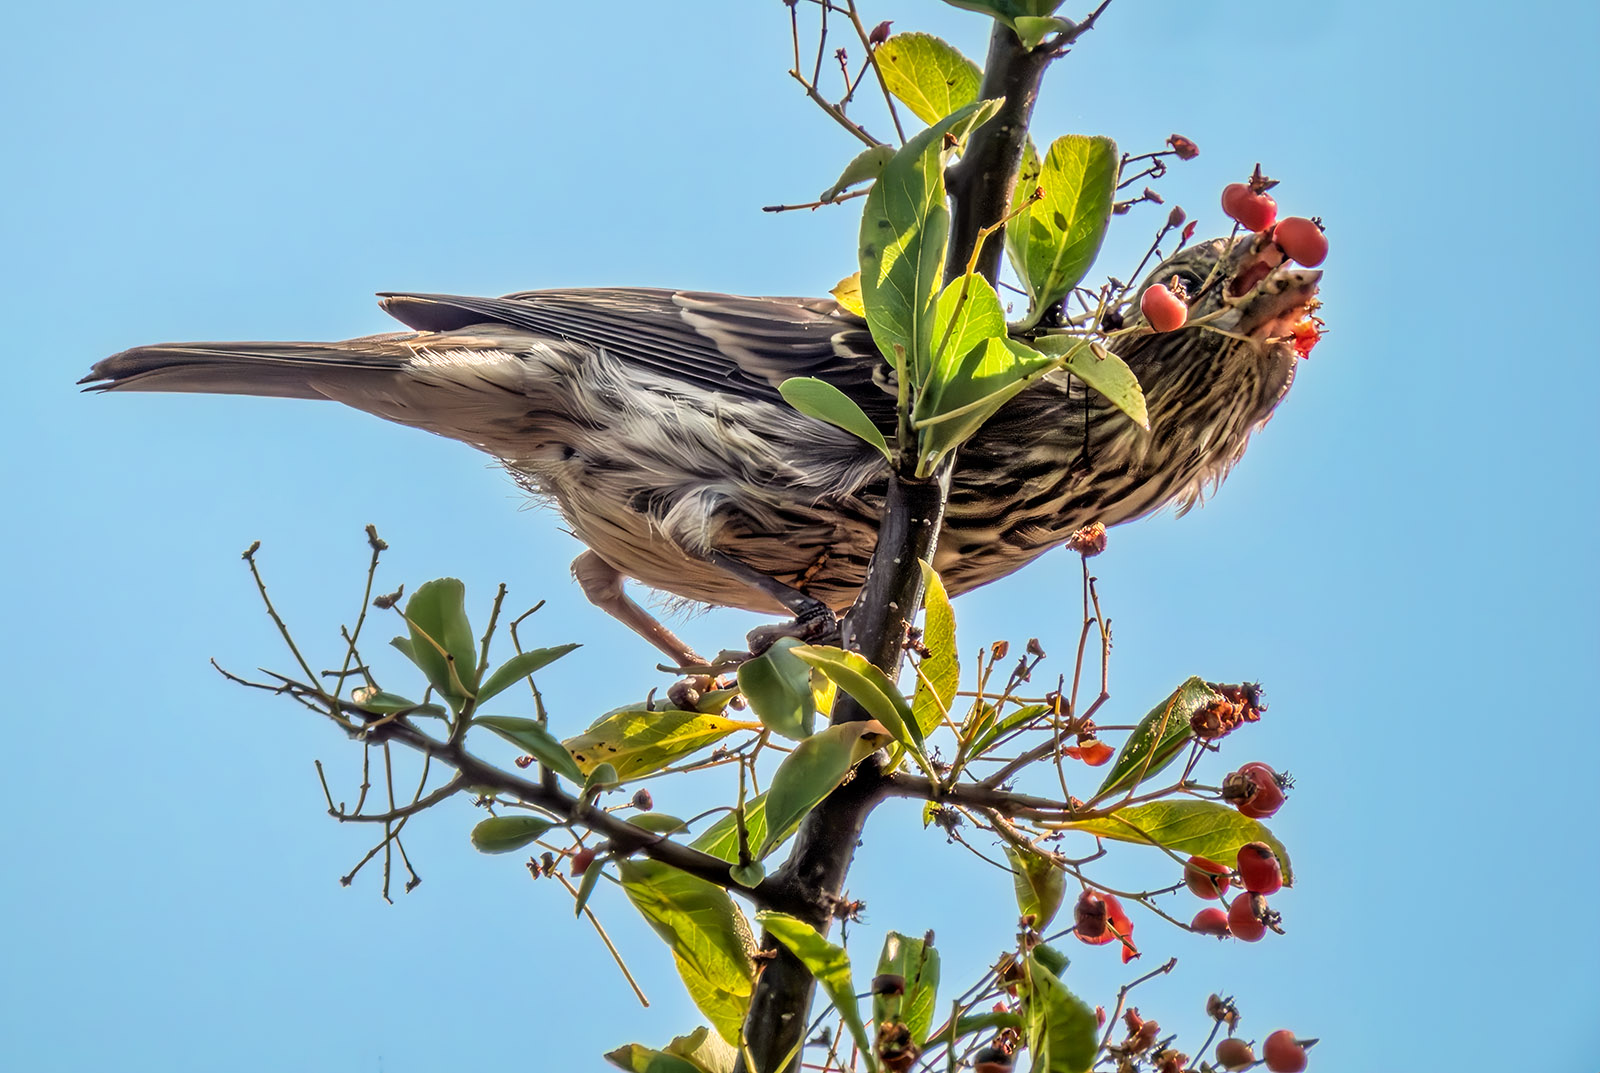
(717, 342)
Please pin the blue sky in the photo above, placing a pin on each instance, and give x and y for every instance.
(1404, 557)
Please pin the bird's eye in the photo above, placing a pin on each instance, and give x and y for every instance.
(1192, 281)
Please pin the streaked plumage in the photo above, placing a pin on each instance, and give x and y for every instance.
(653, 421)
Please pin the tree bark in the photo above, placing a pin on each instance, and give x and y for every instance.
(813, 877)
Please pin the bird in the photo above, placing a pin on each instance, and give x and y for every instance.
(652, 420)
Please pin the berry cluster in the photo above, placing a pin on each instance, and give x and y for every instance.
(1295, 238)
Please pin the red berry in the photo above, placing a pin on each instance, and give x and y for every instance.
(1259, 871)
(1255, 212)
(1302, 240)
(1234, 1053)
(1207, 879)
(1245, 917)
(1164, 310)
(1210, 921)
(581, 861)
(1255, 790)
(1283, 1053)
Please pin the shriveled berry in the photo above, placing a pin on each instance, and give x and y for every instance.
(1091, 916)
(1255, 212)
(1206, 878)
(1234, 1053)
(1302, 240)
(1164, 310)
(992, 1060)
(1183, 148)
(1246, 917)
(1259, 870)
(581, 861)
(1283, 1053)
(888, 983)
(1143, 1039)
(1210, 921)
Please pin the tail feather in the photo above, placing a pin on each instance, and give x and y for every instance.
(276, 370)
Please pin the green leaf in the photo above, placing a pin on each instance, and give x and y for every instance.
(586, 885)
(658, 822)
(1040, 884)
(821, 400)
(868, 164)
(812, 772)
(969, 1023)
(707, 1050)
(441, 637)
(830, 965)
(519, 667)
(378, 702)
(1055, 241)
(777, 684)
(531, 737)
(1032, 29)
(928, 74)
(601, 776)
(1158, 739)
(503, 834)
(992, 733)
(1061, 1028)
(870, 687)
(708, 936)
(637, 1058)
(918, 963)
(1102, 370)
(968, 313)
(941, 668)
(637, 741)
(748, 875)
(1187, 827)
(987, 377)
(904, 232)
(721, 839)
(1007, 11)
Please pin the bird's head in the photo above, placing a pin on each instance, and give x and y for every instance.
(1252, 317)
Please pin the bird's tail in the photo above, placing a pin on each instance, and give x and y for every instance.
(277, 370)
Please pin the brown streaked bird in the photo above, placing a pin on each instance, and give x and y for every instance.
(652, 419)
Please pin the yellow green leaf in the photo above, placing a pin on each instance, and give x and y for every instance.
(637, 741)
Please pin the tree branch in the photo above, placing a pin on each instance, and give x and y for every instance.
(980, 191)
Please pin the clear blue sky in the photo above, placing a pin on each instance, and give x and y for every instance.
(1405, 557)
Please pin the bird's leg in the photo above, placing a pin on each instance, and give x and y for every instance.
(602, 584)
(813, 619)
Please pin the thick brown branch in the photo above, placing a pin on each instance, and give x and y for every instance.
(814, 874)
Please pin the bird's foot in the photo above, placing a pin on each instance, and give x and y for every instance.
(816, 624)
